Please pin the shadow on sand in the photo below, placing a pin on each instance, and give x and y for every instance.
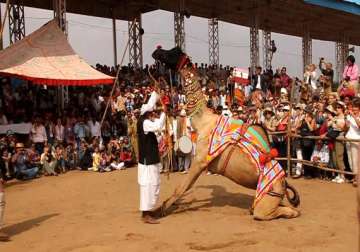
(24, 226)
(220, 198)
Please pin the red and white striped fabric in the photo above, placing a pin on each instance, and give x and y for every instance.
(240, 76)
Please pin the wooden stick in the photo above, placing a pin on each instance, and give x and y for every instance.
(3, 22)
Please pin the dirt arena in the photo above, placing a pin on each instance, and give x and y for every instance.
(87, 212)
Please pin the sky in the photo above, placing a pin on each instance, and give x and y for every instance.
(91, 38)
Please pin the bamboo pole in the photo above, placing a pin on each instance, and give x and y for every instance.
(288, 139)
(3, 22)
(342, 139)
(116, 79)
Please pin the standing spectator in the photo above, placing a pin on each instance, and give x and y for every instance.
(59, 132)
(353, 124)
(258, 81)
(95, 128)
(285, 80)
(351, 73)
(338, 125)
(81, 130)
(297, 119)
(310, 77)
(307, 128)
(69, 135)
(328, 74)
(49, 128)
(132, 133)
(38, 135)
(183, 128)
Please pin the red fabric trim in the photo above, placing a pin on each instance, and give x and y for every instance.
(240, 80)
(183, 60)
(61, 82)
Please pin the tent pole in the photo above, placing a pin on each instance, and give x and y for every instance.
(114, 38)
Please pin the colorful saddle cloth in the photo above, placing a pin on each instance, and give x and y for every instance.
(230, 131)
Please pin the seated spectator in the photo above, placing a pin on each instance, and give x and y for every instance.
(21, 162)
(126, 153)
(5, 163)
(70, 157)
(59, 156)
(48, 162)
(84, 156)
(321, 153)
(96, 157)
(104, 162)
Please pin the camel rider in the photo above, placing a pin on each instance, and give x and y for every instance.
(149, 165)
(3, 236)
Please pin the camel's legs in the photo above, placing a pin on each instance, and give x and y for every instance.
(194, 173)
(271, 207)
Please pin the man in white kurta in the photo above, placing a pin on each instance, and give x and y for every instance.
(149, 165)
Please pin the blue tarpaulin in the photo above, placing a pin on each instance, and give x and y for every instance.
(350, 6)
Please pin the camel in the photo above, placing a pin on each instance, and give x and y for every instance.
(232, 163)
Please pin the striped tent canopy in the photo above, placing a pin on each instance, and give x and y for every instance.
(45, 57)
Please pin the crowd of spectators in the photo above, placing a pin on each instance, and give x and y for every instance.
(80, 137)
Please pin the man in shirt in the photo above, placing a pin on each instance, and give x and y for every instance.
(258, 81)
(149, 165)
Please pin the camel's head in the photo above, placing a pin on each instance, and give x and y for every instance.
(173, 59)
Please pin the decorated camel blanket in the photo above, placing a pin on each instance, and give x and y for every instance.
(230, 131)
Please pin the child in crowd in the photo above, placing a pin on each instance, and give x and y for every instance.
(96, 160)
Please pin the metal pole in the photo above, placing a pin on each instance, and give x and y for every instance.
(306, 47)
(254, 43)
(135, 46)
(16, 21)
(266, 49)
(213, 41)
(179, 30)
(114, 40)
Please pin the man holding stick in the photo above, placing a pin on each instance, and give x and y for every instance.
(149, 165)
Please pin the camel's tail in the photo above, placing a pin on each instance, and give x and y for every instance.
(295, 200)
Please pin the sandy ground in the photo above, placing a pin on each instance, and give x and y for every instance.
(86, 212)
